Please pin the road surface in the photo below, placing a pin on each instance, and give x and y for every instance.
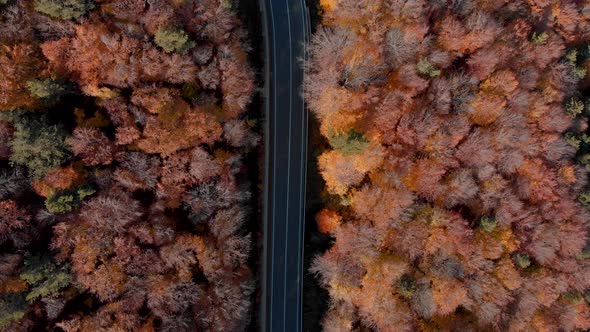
(286, 26)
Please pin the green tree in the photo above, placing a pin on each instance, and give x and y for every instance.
(574, 107)
(173, 39)
(539, 38)
(350, 143)
(47, 89)
(522, 260)
(487, 223)
(44, 276)
(572, 59)
(67, 200)
(12, 308)
(584, 198)
(573, 296)
(406, 286)
(426, 68)
(63, 9)
(38, 145)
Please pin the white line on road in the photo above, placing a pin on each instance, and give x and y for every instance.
(273, 163)
(302, 187)
(288, 166)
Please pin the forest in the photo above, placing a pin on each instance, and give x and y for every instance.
(456, 170)
(125, 180)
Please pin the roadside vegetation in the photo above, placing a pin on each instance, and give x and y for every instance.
(456, 170)
(125, 196)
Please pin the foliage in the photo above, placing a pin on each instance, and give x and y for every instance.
(522, 260)
(173, 39)
(426, 68)
(406, 286)
(540, 38)
(573, 140)
(574, 107)
(585, 199)
(20, 63)
(63, 9)
(349, 143)
(12, 182)
(47, 88)
(68, 200)
(12, 308)
(469, 183)
(487, 223)
(12, 219)
(44, 277)
(144, 221)
(38, 145)
(91, 145)
(572, 58)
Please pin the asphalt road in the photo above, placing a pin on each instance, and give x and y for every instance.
(286, 26)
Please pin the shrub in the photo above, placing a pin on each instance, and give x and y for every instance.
(63, 9)
(173, 40)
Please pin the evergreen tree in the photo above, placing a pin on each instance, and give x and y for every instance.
(38, 145)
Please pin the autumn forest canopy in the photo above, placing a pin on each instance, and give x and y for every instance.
(452, 157)
(124, 189)
(456, 169)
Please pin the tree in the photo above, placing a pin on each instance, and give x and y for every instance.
(20, 63)
(91, 145)
(424, 67)
(38, 145)
(339, 172)
(328, 221)
(237, 79)
(44, 277)
(203, 166)
(46, 89)
(122, 61)
(12, 308)
(12, 219)
(179, 128)
(349, 143)
(68, 200)
(12, 183)
(138, 171)
(173, 39)
(65, 10)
